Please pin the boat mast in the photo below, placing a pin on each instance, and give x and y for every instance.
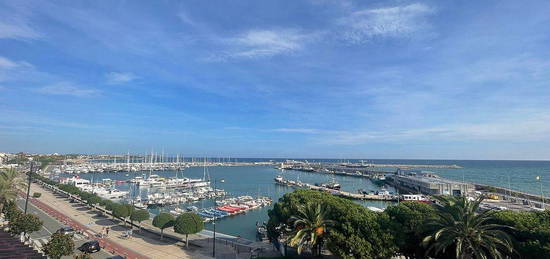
(150, 164)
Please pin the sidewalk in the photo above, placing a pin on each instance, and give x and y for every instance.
(140, 245)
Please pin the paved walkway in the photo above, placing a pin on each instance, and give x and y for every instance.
(141, 245)
(51, 225)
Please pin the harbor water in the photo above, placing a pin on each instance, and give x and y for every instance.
(242, 180)
(258, 181)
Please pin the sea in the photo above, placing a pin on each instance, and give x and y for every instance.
(259, 181)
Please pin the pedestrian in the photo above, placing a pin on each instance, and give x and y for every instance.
(107, 231)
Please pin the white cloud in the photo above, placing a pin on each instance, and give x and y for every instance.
(532, 127)
(120, 78)
(186, 19)
(263, 43)
(12, 70)
(6, 63)
(17, 30)
(298, 130)
(67, 88)
(397, 21)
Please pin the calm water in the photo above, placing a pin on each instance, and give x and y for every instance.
(258, 180)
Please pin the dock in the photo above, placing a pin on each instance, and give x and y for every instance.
(339, 193)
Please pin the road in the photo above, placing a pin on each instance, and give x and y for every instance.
(51, 226)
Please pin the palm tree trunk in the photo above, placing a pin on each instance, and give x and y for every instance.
(161, 233)
(186, 240)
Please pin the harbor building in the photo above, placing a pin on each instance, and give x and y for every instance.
(430, 183)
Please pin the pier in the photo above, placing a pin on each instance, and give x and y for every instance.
(344, 194)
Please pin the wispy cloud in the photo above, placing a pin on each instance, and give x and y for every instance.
(11, 70)
(120, 78)
(263, 43)
(185, 18)
(17, 29)
(397, 21)
(528, 127)
(67, 88)
(6, 63)
(10, 64)
(300, 130)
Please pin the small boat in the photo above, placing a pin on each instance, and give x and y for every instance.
(222, 181)
(192, 209)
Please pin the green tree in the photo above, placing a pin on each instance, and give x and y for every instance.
(12, 212)
(409, 226)
(26, 223)
(139, 216)
(531, 230)
(10, 182)
(59, 245)
(110, 206)
(121, 211)
(85, 195)
(188, 223)
(162, 221)
(93, 200)
(310, 227)
(356, 233)
(461, 231)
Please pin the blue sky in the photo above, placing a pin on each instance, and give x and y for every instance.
(317, 78)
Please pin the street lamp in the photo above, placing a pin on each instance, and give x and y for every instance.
(29, 187)
(214, 224)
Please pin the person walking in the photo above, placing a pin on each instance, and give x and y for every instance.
(107, 231)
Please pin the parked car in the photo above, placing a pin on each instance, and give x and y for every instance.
(66, 231)
(90, 247)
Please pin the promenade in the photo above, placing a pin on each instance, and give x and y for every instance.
(141, 245)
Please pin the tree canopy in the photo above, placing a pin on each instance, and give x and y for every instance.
(531, 230)
(26, 223)
(122, 211)
(460, 230)
(162, 221)
(59, 245)
(139, 215)
(357, 232)
(188, 223)
(10, 180)
(93, 200)
(409, 226)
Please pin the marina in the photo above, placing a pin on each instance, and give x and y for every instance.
(260, 183)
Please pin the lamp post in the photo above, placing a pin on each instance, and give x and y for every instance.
(29, 187)
(214, 224)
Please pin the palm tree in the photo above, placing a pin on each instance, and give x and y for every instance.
(9, 184)
(310, 226)
(471, 234)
